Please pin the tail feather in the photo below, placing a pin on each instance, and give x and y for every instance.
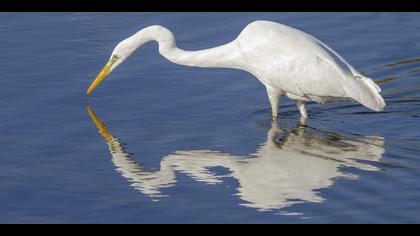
(367, 92)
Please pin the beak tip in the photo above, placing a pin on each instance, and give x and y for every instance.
(90, 90)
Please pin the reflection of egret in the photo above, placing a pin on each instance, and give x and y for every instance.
(287, 61)
(286, 169)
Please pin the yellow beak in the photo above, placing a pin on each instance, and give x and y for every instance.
(101, 76)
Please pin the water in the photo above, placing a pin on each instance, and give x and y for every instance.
(163, 143)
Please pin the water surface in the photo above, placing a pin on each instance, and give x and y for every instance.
(163, 143)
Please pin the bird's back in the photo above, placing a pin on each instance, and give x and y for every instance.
(280, 41)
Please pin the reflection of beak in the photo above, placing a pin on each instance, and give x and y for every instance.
(100, 125)
(101, 76)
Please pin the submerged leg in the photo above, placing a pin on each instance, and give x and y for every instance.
(274, 97)
(302, 109)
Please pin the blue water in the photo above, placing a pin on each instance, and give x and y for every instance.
(164, 143)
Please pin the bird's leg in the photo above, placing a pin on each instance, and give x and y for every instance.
(274, 97)
(302, 109)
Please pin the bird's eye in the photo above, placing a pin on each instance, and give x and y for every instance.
(114, 57)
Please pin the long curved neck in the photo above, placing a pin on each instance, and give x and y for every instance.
(225, 56)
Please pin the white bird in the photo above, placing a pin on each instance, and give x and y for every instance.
(287, 61)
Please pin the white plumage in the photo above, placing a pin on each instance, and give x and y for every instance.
(287, 61)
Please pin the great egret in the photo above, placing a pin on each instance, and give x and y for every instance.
(287, 61)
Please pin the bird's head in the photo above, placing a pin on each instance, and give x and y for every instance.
(120, 53)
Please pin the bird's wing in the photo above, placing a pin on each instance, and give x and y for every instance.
(327, 74)
(325, 80)
(333, 57)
